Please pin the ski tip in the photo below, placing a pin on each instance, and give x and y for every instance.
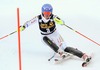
(84, 64)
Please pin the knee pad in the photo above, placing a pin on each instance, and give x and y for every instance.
(50, 44)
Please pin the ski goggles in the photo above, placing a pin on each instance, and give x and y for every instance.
(46, 13)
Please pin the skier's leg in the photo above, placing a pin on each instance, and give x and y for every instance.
(70, 50)
(76, 52)
(52, 45)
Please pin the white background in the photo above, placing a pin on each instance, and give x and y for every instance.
(81, 15)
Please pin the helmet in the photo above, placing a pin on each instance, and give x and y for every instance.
(47, 8)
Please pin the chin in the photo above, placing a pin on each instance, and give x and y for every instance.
(46, 17)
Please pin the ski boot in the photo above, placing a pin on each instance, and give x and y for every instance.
(64, 56)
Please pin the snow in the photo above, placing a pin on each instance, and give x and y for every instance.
(81, 15)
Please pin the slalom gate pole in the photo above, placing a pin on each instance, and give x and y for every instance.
(19, 42)
(82, 35)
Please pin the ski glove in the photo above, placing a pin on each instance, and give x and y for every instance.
(58, 21)
(22, 28)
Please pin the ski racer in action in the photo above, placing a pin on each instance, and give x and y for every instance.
(47, 24)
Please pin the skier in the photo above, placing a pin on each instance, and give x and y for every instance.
(47, 24)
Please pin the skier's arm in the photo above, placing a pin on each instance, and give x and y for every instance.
(58, 20)
(28, 23)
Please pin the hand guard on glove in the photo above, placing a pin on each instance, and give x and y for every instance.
(22, 28)
(58, 21)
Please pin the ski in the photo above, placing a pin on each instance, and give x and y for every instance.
(85, 63)
(88, 60)
(63, 58)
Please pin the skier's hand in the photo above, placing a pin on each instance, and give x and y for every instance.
(58, 21)
(22, 28)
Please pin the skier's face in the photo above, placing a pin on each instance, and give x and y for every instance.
(46, 15)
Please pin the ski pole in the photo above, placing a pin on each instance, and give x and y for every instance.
(81, 34)
(7, 35)
(52, 57)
